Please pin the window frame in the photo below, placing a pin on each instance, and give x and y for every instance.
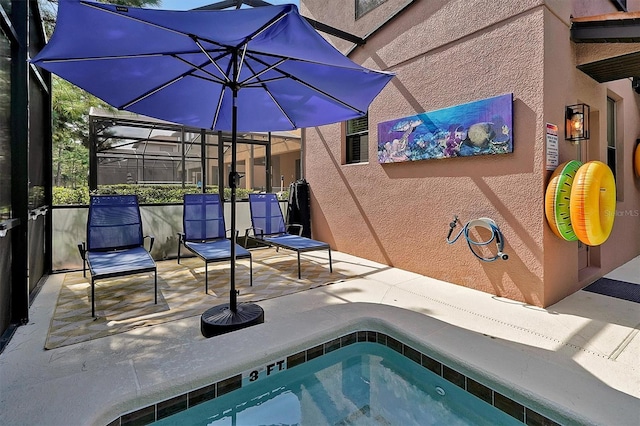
(349, 157)
(359, 12)
(621, 5)
(613, 151)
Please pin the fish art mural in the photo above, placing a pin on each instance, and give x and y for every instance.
(482, 127)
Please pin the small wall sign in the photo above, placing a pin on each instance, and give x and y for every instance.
(552, 146)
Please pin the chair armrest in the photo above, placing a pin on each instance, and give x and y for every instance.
(226, 231)
(261, 233)
(181, 237)
(255, 234)
(296, 225)
(152, 240)
(246, 235)
(82, 248)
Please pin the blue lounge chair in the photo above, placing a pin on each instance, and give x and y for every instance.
(205, 235)
(268, 227)
(115, 245)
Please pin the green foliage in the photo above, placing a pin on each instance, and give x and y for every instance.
(71, 112)
(36, 196)
(70, 162)
(71, 107)
(147, 194)
(241, 193)
(71, 132)
(151, 194)
(70, 196)
(49, 9)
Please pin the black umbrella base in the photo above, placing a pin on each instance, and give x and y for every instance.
(220, 319)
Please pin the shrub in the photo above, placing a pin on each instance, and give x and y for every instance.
(63, 195)
(147, 194)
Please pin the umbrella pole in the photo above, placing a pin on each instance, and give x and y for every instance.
(233, 183)
(229, 317)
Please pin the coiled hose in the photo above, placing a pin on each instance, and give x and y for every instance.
(483, 222)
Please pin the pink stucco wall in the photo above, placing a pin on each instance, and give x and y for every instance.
(565, 85)
(446, 53)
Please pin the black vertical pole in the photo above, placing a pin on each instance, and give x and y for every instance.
(230, 317)
(267, 164)
(233, 181)
(19, 308)
(93, 157)
(221, 167)
(203, 159)
(48, 171)
(183, 161)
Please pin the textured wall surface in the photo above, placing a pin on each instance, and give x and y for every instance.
(446, 53)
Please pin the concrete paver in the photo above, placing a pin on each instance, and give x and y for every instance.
(579, 356)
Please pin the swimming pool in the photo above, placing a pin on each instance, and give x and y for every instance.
(237, 398)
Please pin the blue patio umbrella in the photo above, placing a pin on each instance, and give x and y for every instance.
(260, 69)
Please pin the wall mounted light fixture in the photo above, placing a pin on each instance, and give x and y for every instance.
(577, 123)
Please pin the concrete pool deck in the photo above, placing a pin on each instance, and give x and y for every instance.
(579, 356)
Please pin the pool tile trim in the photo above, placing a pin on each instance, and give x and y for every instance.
(162, 409)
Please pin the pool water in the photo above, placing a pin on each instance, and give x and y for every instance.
(360, 384)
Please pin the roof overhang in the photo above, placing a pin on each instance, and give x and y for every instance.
(319, 26)
(621, 28)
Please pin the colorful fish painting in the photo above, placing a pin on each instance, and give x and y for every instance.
(405, 125)
(483, 127)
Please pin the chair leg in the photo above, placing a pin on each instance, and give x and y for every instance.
(206, 278)
(330, 265)
(179, 244)
(250, 270)
(155, 285)
(93, 299)
(298, 265)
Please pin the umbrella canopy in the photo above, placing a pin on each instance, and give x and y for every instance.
(182, 66)
(261, 69)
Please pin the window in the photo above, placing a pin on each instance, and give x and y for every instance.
(621, 5)
(612, 152)
(358, 140)
(365, 6)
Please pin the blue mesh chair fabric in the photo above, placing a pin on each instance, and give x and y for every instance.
(114, 222)
(268, 227)
(203, 217)
(266, 215)
(204, 232)
(115, 244)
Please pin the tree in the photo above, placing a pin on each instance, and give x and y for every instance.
(49, 9)
(71, 107)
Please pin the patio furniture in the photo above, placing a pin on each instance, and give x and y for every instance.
(268, 227)
(204, 233)
(261, 69)
(115, 245)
